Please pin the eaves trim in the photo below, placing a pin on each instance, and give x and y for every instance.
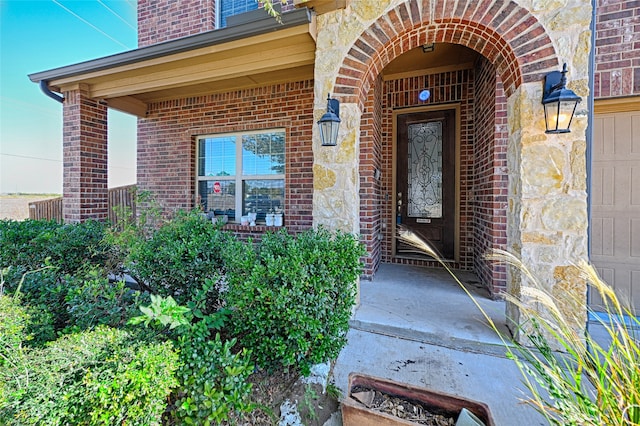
(210, 38)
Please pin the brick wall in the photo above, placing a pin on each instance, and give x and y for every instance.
(482, 174)
(446, 88)
(163, 20)
(371, 163)
(617, 48)
(85, 157)
(490, 184)
(166, 143)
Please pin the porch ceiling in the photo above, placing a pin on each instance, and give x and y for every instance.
(253, 54)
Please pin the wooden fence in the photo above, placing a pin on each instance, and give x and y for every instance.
(121, 201)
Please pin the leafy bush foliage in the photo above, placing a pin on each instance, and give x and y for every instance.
(17, 241)
(177, 259)
(32, 244)
(42, 295)
(292, 299)
(95, 377)
(212, 377)
(91, 300)
(71, 303)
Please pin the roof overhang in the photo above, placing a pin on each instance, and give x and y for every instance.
(251, 54)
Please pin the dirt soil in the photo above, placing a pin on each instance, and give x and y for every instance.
(16, 207)
(402, 408)
(271, 390)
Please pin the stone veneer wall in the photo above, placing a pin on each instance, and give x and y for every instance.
(491, 175)
(617, 48)
(547, 204)
(166, 143)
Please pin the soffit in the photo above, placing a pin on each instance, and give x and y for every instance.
(286, 53)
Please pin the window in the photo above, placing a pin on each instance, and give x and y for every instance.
(227, 8)
(241, 173)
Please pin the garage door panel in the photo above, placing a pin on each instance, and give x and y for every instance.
(607, 275)
(602, 236)
(635, 239)
(603, 177)
(634, 139)
(615, 203)
(635, 187)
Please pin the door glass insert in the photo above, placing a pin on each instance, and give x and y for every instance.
(425, 170)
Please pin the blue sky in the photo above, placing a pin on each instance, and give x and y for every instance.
(41, 35)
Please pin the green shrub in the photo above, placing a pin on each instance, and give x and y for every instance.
(42, 294)
(72, 303)
(292, 305)
(17, 242)
(13, 322)
(105, 376)
(31, 244)
(92, 300)
(213, 379)
(180, 256)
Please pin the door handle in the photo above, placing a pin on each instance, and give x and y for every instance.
(399, 209)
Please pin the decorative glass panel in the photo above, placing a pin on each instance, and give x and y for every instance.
(218, 196)
(217, 156)
(425, 170)
(263, 196)
(263, 154)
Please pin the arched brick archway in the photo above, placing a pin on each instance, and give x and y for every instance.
(505, 33)
(544, 224)
(510, 39)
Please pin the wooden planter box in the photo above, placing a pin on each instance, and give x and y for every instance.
(355, 413)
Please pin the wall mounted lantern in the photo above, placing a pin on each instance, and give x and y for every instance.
(330, 122)
(559, 102)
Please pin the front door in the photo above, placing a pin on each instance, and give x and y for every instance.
(425, 181)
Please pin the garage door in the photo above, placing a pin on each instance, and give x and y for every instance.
(615, 227)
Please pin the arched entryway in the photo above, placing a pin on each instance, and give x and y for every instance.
(543, 217)
(470, 64)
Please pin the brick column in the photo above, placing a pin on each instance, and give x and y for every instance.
(84, 157)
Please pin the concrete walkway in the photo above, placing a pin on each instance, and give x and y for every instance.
(416, 325)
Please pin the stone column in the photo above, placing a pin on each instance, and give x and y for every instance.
(85, 192)
(336, 181)
(547, 213)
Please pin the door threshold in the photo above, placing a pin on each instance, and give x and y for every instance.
(422, 257)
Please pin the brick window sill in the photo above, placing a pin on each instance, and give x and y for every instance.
(257, 229)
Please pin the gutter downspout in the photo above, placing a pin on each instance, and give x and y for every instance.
(44, 86)
(589, 135)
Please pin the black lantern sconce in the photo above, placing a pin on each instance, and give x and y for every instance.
(559, 102)
(330, 122)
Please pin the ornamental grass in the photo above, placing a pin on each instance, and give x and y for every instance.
(572, 379)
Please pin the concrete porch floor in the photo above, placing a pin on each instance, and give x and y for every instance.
(416, 325)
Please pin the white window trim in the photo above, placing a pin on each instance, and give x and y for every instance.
(239, 177)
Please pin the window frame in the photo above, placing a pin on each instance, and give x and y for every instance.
(239, 177)
(218, 12)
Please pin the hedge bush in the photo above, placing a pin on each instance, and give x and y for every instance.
(31, 244)
(100, 377)
(178, 258)
(292, 306)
